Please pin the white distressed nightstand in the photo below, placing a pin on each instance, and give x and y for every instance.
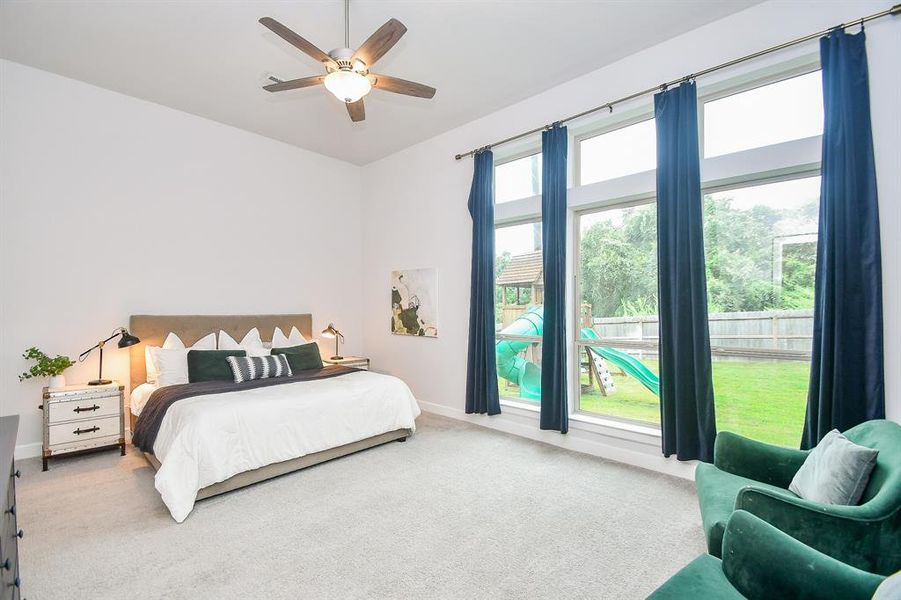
(357, 362)
(79, 418)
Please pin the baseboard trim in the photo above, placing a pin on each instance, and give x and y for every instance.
(586, 442)
(29, 450)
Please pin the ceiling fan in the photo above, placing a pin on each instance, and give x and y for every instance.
(347, 71)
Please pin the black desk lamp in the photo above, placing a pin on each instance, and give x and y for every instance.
(331, 332)
(126, 341)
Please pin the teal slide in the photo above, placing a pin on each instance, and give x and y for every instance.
(630, 365)
(510, 365)
(527, 375)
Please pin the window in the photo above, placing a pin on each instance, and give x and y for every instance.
(630, 149)
(517, 179)
(518, 304)
(790, 109)
(760, 246)
(617, 340)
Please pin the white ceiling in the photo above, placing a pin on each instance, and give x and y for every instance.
(210, 58)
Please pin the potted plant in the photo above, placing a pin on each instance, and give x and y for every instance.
(46, 367)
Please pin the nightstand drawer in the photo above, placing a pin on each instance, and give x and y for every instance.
(84, 433)
(90, 408)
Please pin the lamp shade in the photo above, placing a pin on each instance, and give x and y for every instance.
(330, 331)
(127, 340)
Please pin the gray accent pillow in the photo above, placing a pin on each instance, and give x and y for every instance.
(835, 472)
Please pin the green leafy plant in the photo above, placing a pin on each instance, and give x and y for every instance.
(45, 366)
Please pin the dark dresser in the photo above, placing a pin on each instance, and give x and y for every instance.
(11, 534)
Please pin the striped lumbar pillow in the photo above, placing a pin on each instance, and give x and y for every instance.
(245, 368)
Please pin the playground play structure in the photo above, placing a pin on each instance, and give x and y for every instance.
(527, 375)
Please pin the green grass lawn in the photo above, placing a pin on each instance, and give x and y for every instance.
(764, 400)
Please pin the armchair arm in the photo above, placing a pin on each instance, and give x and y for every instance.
(762, 562)
(846, 533)
(755, 460)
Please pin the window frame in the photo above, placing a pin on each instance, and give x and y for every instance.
(578, 342)
(628, 119)
(526, 152)
(804, 66)
(753, 179)
(512, 400)
(795, 159)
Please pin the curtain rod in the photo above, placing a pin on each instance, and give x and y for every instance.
(894, 11)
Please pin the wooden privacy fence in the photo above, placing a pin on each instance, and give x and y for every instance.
(777, 334)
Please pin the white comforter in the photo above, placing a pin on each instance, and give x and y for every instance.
(207, 439)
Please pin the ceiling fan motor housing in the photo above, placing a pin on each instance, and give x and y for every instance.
(344, 58)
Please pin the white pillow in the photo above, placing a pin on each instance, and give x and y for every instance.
(295, 338)
(251, 341)
(151, 352)
(172, 363)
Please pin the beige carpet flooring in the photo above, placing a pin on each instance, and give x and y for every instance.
(459, 511)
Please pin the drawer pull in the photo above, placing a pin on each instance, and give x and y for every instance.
(6, 564)
(20, 534)
(79, 431)
(79, 409)
(17, 582)
(11, 510)
(18, 474)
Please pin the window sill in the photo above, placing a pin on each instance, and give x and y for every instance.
(595, 424)
(526, 406)
(629, 426)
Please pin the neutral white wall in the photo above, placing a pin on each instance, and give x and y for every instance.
(416, 216)
(112, 206)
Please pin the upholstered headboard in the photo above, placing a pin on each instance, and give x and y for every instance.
(153, 329)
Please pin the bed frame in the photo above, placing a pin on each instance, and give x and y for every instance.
(152, 330)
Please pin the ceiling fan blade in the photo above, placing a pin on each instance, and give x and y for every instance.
(294, 84)
(401, 86)
(356, 111)
(297, 41)
(380, 42)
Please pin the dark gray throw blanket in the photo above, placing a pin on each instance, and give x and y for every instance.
(148, 424)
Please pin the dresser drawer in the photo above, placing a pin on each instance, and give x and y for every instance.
(86, 433)
(91, 408)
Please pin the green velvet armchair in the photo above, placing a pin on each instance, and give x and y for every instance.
(753, 476)
(761, 562)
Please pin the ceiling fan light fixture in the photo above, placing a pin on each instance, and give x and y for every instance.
(347, 86)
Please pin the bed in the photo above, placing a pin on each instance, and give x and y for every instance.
(212, 444)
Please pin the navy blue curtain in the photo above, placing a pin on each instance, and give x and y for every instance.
(846, 375)
(687, 417)
(481, 369)
(554, 412)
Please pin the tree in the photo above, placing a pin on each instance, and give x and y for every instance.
(619, 264)
(619, 260)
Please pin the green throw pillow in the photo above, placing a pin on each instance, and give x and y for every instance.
(303, 357)
(210, 365)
